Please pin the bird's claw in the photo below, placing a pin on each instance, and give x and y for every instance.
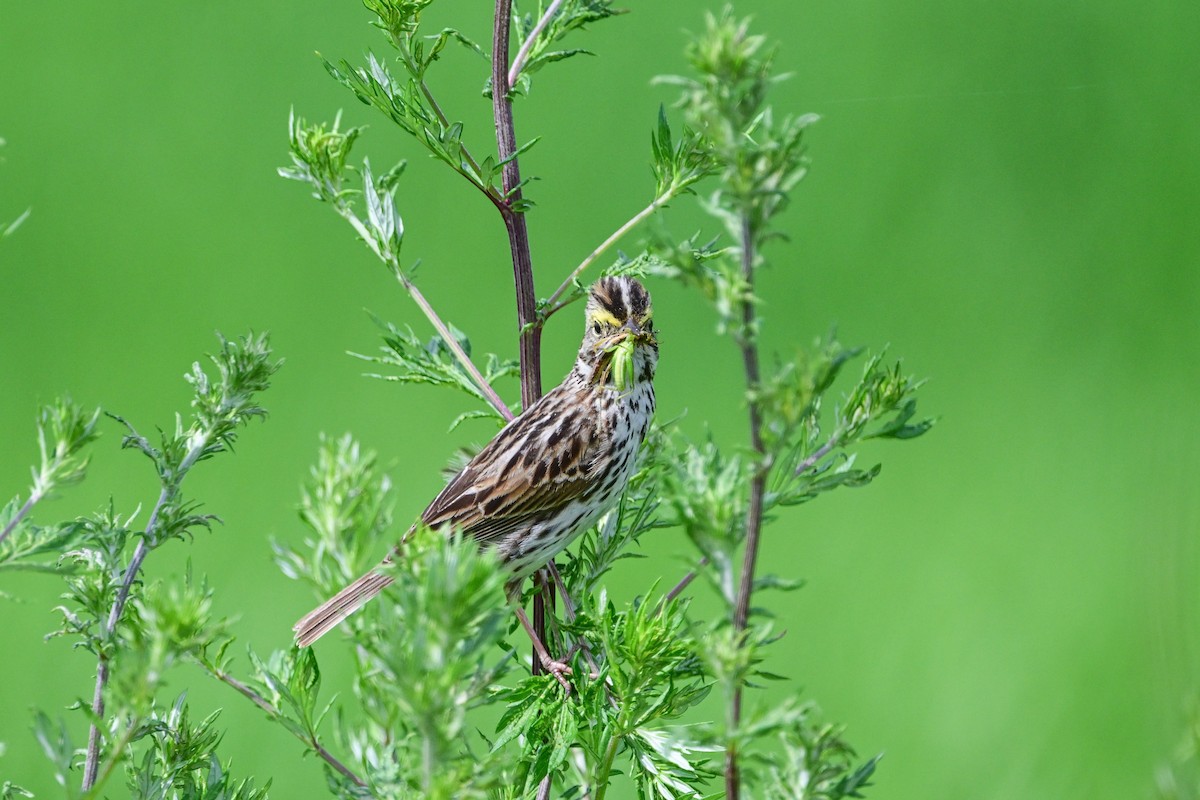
(559, 670)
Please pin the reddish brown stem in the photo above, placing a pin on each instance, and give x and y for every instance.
(514, 221)
(741, 611)
(518, 243)
(272, 711)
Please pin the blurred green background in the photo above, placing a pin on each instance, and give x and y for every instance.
(1007, 193)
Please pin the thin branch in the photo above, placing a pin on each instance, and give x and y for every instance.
(433, 104)
(25, 509)
(455, 347)
(581, 643)
(131, 730)
(272, 711)
(92, 762)
(569, 607)
(741, 611)
(684, 582)
(49, 569)
(553, 304)
(518, 63)
(443, 330)
(818, 454)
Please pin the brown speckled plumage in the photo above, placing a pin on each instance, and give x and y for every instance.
(555, 469)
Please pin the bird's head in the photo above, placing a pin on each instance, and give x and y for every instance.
(620, 337)
(618, 309)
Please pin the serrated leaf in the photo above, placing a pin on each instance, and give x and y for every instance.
(466, 415)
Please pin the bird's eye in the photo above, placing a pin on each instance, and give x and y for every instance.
(596, 327)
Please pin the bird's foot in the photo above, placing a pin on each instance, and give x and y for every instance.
(559, 669)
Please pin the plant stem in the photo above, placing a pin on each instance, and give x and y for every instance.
(49, 569)
(112, 762)
(406, 54)
(552, 304)
(514, 221)
(581, 643)
(393, 263)
(684, 582)
(818, 454)
(169, 490)
(602, 777)
(25, 509)
(444, 331)
(741, 612)
(271, 710)
(92, 763)
(518, 243)
(518, 63)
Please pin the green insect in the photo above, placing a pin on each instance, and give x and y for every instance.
(620, 365)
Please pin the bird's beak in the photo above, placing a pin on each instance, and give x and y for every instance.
(635, 331)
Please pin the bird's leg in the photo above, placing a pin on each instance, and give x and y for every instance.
(554, 634)
(556, 668)
(569, 610)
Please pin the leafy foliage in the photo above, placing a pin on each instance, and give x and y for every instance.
(541, 31)
(440, 705)
(137, 631)
(64, 430)
(347, 504)
(723, 497)
(179, 760)
(414, 361)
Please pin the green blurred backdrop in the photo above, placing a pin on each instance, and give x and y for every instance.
(1007, 193)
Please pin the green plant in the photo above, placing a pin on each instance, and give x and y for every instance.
(432, 659)
(136, 630)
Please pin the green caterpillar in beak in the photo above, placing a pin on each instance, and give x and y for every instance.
(620, 365)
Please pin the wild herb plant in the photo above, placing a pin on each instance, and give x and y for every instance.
(441, 706)
(134, 628)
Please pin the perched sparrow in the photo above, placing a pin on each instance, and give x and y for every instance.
(553, 471)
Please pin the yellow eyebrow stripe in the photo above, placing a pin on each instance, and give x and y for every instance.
(600, 315)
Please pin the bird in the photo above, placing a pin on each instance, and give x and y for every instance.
(552, 471)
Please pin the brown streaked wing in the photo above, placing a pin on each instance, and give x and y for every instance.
(523, 473)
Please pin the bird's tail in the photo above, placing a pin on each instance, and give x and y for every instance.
(324, 618)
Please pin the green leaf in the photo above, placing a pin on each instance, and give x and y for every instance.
(56, 743)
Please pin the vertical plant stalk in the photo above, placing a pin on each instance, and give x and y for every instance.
(741, 611)
(91, 764)
(518, 243)
(604, 776)
(131, 729)
(514, 221)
